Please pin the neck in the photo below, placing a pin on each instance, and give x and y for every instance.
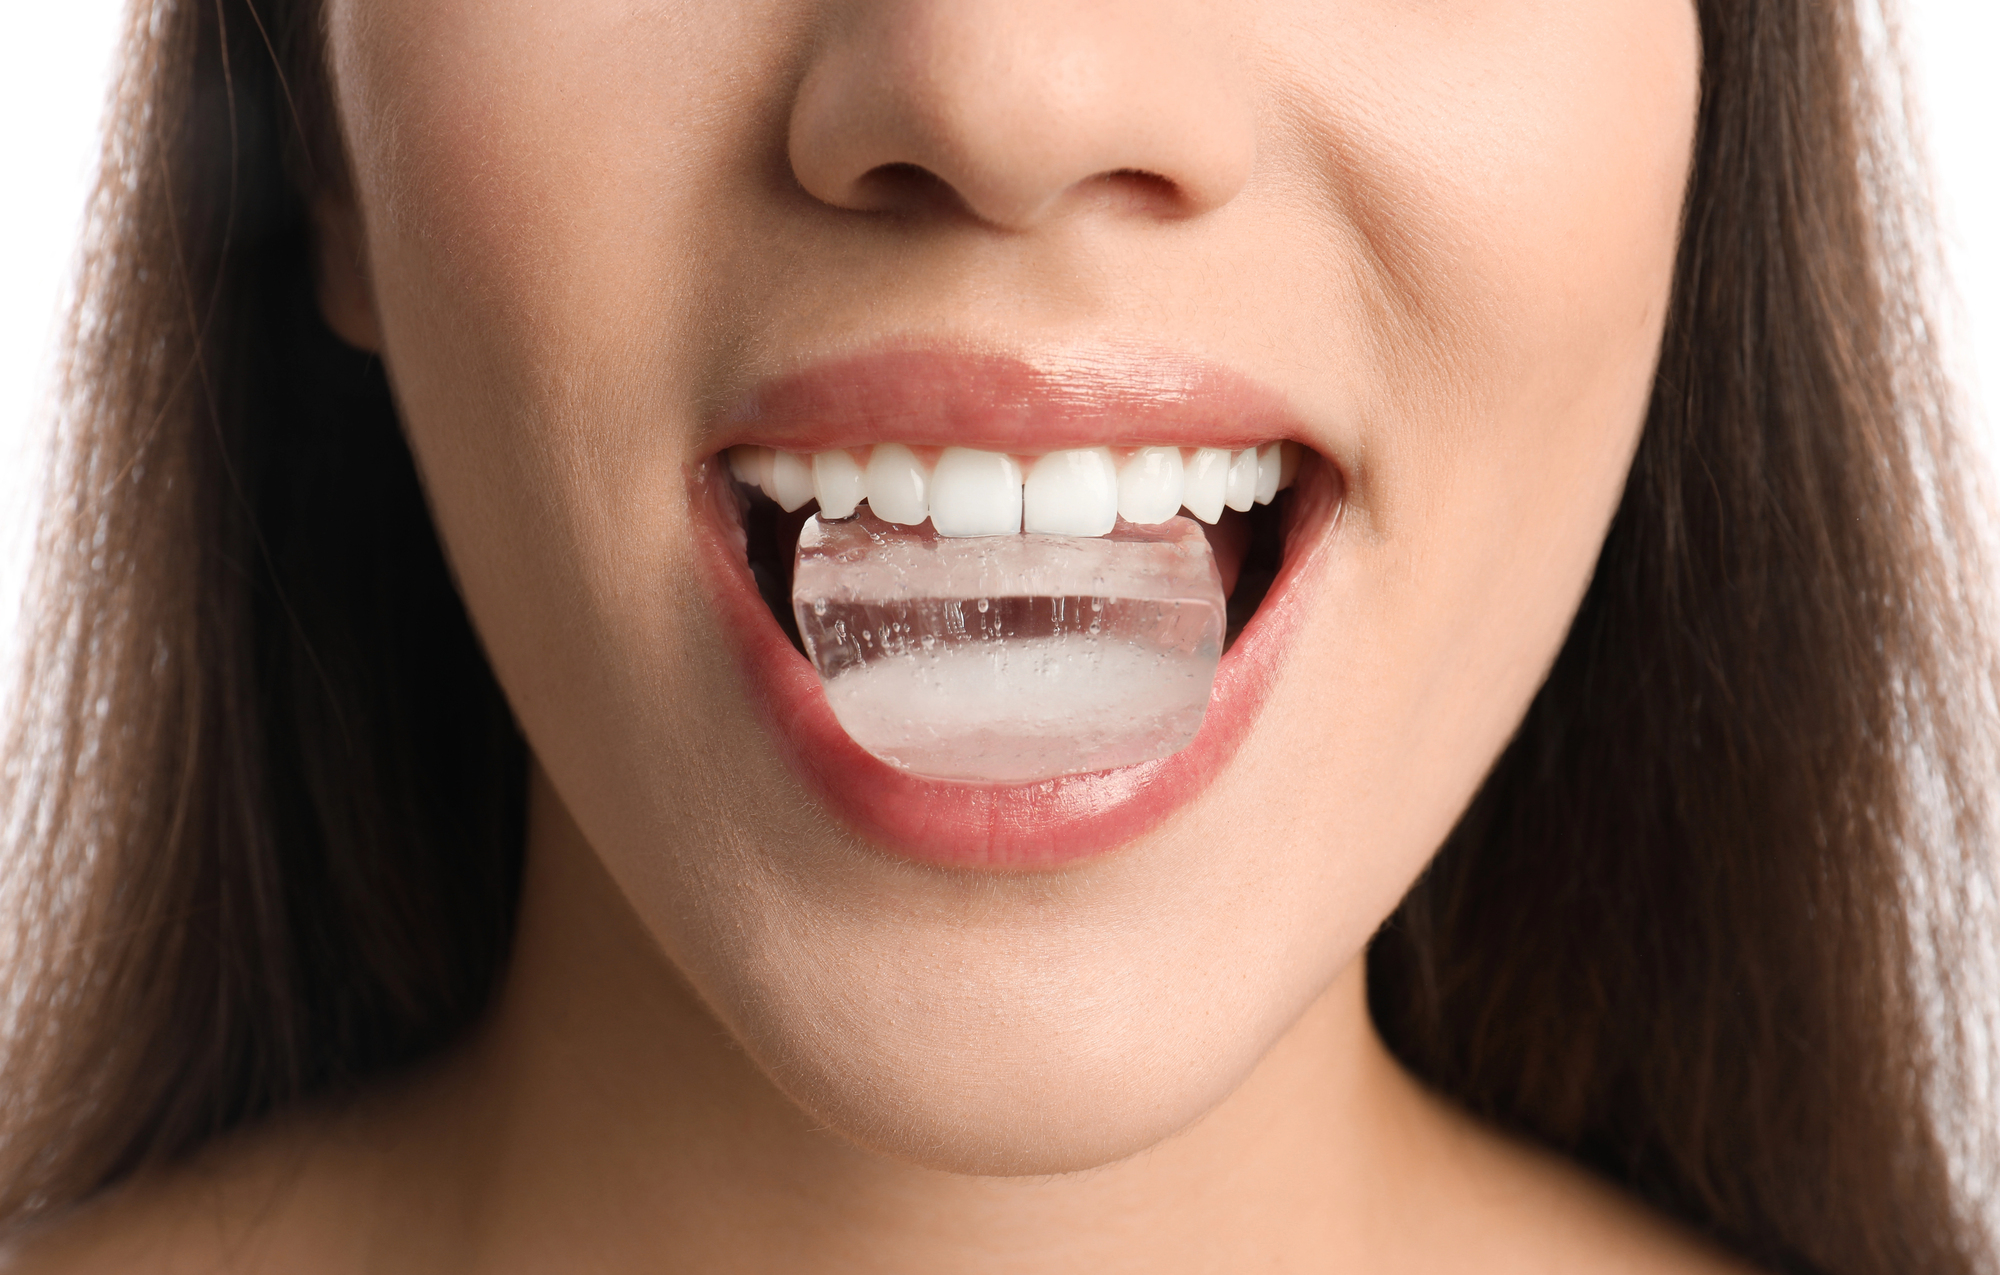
(604, 1105)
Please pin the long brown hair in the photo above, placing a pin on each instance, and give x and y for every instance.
(1710, 926)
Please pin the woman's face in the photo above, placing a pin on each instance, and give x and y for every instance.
(1429, 240)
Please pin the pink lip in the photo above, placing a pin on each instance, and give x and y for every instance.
(998, 403)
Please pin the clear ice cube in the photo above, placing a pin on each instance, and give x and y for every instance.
(1009, 659)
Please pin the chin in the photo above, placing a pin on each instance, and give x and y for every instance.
(1042, 1094)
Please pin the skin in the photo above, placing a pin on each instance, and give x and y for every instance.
(734, 1037)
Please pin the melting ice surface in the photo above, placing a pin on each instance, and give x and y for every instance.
(1008, 659)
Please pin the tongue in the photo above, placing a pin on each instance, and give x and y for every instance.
(1011, 659)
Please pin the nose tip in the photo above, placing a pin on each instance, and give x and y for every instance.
(1016, 110)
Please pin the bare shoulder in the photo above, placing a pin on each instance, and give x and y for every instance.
(1531, 1210)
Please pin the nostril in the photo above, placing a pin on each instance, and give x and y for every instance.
(905, 188)
(1137, 190)
(913, 190)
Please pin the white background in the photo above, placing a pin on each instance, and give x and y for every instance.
(55, 62)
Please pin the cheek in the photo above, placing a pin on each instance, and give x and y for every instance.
(524, 229)
(1512, 182)
(541, 184)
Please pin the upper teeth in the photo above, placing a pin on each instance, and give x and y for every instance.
(1083, 491)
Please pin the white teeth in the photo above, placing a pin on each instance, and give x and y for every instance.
(975, 493)
(1239, 491)
(791, 480)
(1206, 482)
(1081, 491)
(899, 487)
(1151, 484)
(1269, 466)
(1072, 493)
(838, 484)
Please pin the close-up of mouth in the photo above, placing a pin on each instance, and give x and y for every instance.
(993, 617)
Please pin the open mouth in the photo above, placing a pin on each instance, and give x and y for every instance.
(1240, 502)
(1025, 463)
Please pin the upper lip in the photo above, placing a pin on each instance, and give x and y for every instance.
(1004, 403)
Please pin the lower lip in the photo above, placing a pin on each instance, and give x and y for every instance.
(999, 826)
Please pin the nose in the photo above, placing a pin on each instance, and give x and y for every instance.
(1022, 109)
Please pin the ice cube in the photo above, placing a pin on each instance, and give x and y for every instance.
(1010, 659)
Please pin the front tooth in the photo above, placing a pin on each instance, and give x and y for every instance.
(838, 484)
(975, 493)
(899, 487)
(1071, 493)
(1151, 485)
(791, 480)
(1239, 490)
(1206, 482)
(1268, 468)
